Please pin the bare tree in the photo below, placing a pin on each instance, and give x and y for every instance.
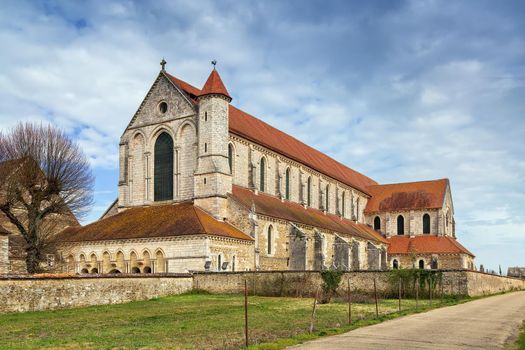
(46, 177)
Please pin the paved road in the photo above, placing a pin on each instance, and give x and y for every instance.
(481, 324)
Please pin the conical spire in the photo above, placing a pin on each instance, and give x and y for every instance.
(214, 85)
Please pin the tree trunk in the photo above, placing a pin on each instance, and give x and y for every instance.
(33, 259)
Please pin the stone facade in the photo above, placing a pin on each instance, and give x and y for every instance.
(425, 261)
(159, 255)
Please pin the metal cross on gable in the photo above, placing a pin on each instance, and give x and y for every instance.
(163, 63)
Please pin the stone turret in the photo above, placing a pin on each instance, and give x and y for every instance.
(213, 179)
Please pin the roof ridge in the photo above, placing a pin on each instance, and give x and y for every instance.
(410, 182)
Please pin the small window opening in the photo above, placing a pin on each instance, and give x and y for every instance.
(205, 147)
(205, 116)
(163, 107)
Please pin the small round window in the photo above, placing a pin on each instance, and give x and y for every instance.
(163, 107)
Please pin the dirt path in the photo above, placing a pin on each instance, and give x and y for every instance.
(481, 324)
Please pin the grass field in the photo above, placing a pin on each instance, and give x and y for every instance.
(192, 321)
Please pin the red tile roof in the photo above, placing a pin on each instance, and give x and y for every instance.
(426, 244)
(154, 221)
(214, 85)
(272, 206)
(407, 196)
(255, 130)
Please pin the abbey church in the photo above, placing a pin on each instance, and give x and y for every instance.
(205, 186)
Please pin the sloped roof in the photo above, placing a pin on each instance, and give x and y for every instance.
(255, 130)
(272, 206)
(426, 244)
(154, 221)
(214, 85)
(407, 196)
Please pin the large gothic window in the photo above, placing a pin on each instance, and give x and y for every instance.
(230, 157)
(287, 184)
(164, 167)
(426, 223)
(400, 225)
(262, 180)
(377, 223)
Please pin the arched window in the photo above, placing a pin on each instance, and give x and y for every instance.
(377, 223)
(426, 223)
(400, 225)
(357, 209)
(269, 241)
(160, 265)
(309, 192)
(434, 264)
(343, 204)
(163, 167)
(230, 157)
(262, 179)
(421, 264)
(395, 264)
(287, 184)
(327, 197)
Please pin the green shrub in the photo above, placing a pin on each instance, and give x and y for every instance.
(331, 281)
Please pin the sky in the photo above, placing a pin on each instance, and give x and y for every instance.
(398, 90)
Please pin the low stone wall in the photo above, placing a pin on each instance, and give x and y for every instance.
(306, 283)
(480, 283)
(25, 293)
(18, 294)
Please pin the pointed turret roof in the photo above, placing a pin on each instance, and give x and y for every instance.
(214, 85)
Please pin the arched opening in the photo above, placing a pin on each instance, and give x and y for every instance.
(327, 198)
(400, 225)
(106, 262)
(160, 266)
(421, 264)
(377, 223)
(133, 262)
(309, 192)
(146, 269)
(230, 157)
(262, 175)
(287, 184)
(434, 264)
(219, 262)
(146, 258)
(163, 168)
(84, 271)
(426, 224)
(395, 264)
(269, 241)
(94, 270)
(70, 263)
(121, 264)
(114, 271)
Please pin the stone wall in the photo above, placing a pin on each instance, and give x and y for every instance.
(485, 284)
(304, 283)
(33, 293)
